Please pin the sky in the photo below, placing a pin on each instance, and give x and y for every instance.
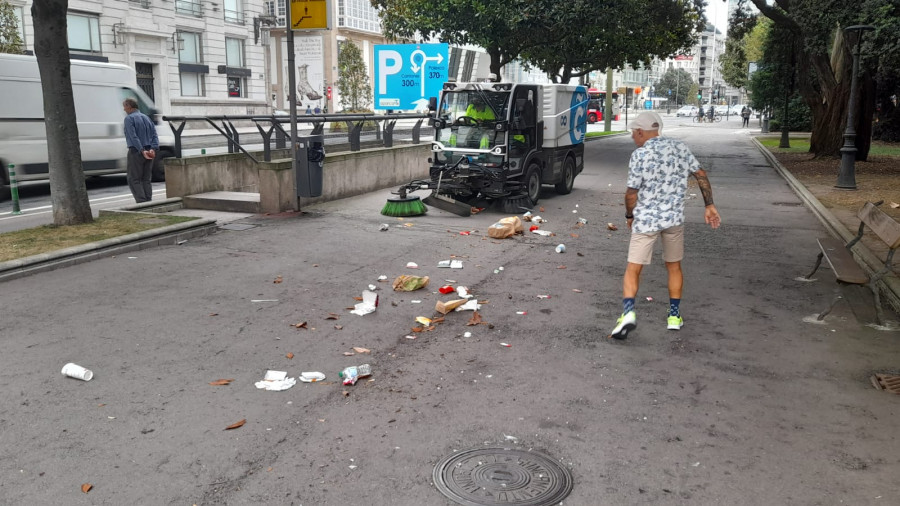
(717, 13)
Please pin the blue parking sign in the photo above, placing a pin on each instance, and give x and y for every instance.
(407, 75)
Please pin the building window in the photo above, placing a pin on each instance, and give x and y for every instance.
(191, 82)
(234, 12)
(190, 7)
(278, 9)
(234, 52)
(358, 14)
(235, 86)
(19, 13)
(84, 32)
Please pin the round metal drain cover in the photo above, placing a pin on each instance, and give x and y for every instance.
(494, 476)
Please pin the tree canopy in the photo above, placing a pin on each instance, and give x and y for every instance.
(564, 39)
(10, 40)
(679, 82)
(353, 80)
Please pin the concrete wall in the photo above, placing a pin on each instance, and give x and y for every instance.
(344, 174)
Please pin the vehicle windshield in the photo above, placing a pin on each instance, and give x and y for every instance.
(471, 118)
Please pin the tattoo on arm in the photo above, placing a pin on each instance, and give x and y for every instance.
(705, 187)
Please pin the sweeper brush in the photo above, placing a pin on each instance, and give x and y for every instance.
(404, 206)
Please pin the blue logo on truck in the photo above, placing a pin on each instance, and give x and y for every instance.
(578, 112)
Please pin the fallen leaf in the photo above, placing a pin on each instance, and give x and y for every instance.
(357, 299)
(346, 393)
(560, 266)
(429, 329)
(574, 235)
(359, 349)
(290, 356)
(220, 382)
(895, 205)
(301, 325)
(576, 290)
(332, 316)
(213, 314)
(269, 469)
(417, 329)
(611, 226)
(349, 353)
(542, 208)
(101, 405)
(277, 280)
(338, 327)
(86, 487)
(475, 320)
(235, 425)
(580, 254)
(438, 320)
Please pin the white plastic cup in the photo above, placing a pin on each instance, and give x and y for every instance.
(561, 248)
(76, 371)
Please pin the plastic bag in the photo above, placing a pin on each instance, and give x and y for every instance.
(506, 227)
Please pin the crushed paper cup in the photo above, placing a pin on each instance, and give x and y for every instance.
(545, 233)
(463, 292)
(276, 381)
(311, 377)
(275, 375)
(412, 265)
(368, 304)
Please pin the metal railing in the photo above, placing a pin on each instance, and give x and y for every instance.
(236, 17)
(275, 132)
(188, 7)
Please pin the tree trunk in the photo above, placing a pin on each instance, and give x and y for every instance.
(68, 193)
(828, 106)
(865, 116)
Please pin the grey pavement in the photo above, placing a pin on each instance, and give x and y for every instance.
(748, 404)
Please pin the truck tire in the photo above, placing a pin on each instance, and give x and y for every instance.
(532, 182)
(564, 187)
(159, 168)
(592, 118)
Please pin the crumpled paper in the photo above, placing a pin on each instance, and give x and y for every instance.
(368, 304)
(276, 381)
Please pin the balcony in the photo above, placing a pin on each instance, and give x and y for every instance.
(188, 7)
(234, 17)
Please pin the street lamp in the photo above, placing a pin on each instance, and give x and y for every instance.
(847, 174)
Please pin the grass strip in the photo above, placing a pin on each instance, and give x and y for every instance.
(47, 238)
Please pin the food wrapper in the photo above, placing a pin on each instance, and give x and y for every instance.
(407, 283)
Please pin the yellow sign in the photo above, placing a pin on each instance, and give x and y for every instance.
(309, 15)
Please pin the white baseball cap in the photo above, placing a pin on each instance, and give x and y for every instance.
(647, 120)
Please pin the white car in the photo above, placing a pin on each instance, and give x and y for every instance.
(687, 110)
(722, 110)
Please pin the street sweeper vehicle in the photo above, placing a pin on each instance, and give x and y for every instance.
(498, 143)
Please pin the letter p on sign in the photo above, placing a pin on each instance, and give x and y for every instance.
(389, 63)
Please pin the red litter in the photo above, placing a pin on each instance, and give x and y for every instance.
(504, 344)
(465, 232)
(533, 228)
(446, 289)
(521, 312)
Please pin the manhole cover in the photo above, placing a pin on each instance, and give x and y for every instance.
(493, 476)
(889, 382)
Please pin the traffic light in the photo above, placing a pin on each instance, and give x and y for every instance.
(700, 95)
(328, 93)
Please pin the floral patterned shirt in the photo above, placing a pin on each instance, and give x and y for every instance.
(658, 170)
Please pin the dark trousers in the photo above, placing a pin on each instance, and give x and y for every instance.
(138, 175)
(746, 122)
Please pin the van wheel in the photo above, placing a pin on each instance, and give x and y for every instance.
(564, 187)
(592, 118)
(159, 168)
(533, 182)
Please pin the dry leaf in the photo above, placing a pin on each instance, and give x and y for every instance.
(429, 329)
(357, 299)
(290, 356)
(560, 266)
(576, 290)
(235, 425)
(895, 205)
(101, 405)
(213, 314)
(220, 382)
(438, 320)
(349, 353)
(301, 325)
(574, 235)
(417, 329)
(277, 280)
(338, 327)
(269, 469)
(359, 349)
(346, 393)
(332, 316)
(86, 487)
(475, 320)
(542, 208)
(610, 226)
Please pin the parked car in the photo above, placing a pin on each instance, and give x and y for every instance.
(687, 110)
(722, 110)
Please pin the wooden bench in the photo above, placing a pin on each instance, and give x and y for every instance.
(846, 270)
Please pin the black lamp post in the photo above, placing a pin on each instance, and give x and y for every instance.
(847, 174)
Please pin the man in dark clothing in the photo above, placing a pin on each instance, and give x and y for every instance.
(140, 135)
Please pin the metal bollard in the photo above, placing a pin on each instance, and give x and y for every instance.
(14, 189)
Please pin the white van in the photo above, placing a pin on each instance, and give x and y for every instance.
(98, 89)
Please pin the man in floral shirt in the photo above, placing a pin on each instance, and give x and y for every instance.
(654, 207)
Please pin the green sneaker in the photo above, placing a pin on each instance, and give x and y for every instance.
(625, 324)
(675, 322)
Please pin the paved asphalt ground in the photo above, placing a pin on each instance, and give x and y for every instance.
(747, 404)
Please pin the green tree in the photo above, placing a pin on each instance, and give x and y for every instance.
(10, 40)
(679, 82)
(68, 193)
(823, 63)
(734, 60)
(564, 39)
(886, 16)
(353, 79)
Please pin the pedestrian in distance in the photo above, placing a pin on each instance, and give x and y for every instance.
(308, 110)
(700, 114)
(143, 143)
(745, 116)
(654, 209)
(317, 110)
